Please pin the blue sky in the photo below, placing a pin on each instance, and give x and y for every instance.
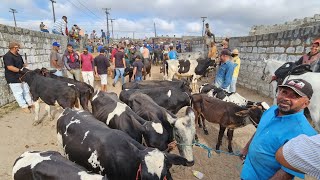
(179, 17)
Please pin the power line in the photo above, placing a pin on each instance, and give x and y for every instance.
(80, 9)
(14, 17)
(88, 9)
(54, 15)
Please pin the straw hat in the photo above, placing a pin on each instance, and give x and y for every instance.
(235, 51)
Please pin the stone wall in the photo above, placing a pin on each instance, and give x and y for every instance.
(35, 46)
(291, 25)
(284, 46)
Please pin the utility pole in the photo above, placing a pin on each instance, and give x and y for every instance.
(54, 15)
(203, 19)
(155, 30)
(133, 35)
(107, 14)
(112, 27)
(14, 17)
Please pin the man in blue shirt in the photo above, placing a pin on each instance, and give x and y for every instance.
(172, 53)
(278, 125)
(224, 75)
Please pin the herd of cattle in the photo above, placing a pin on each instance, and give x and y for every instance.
(130, 136)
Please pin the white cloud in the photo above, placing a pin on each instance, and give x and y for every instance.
(226, 18)
(194, 27)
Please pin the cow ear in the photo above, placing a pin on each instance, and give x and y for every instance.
(176, 159)
(243, 113)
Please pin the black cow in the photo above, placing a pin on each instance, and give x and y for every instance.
(85, 90)
(181, 127)
(172, 99)
(49, 165)
(107, 108)
(147, 70)
(100, 149)
(50, 91)
(184, 85)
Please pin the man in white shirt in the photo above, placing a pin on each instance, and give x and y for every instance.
(60, 26)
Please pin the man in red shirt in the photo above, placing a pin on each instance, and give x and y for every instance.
(87, 67)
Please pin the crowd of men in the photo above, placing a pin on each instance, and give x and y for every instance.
(284, 144)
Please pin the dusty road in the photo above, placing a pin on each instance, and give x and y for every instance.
(18, 135)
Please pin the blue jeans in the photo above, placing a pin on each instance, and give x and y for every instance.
(119, 72)
(233, 84)
(56, 32)
(21, 94)
(45, 30)
(138, 78)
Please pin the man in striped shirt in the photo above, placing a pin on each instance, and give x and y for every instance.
(301, 154)
(60, 26)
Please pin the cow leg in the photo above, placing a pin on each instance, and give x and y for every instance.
(221, 133)
(206, 132)
(36, 111)
(168, 176)
(48, 109)
(230, 137)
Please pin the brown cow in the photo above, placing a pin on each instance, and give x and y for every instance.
(226, 114)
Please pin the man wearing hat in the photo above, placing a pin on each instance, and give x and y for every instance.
(13, 63)
(55, 59)
(237, 62)
(312, 58)
(224, 75)
(278, 125)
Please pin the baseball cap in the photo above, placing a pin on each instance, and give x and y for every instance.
(102, 50)
(56, 44)
(225, 52)
(300, 86)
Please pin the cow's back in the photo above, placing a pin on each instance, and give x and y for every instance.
(170, 98)
(91, 144)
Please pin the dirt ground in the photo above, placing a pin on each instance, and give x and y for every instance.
(19, 135)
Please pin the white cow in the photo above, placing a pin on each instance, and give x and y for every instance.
(312, 78)
(188, 68)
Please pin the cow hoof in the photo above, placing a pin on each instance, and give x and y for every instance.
(200, 125)
(196, 138)
(230, 151)
(206, 132)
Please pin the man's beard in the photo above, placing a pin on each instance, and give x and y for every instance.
(285, 107)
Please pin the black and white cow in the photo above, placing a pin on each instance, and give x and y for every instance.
(170, 98)
(184, 85)
(182, 127)
(187, 68)
(107, 108)
(100, 149)
(85, 90)
(50, 91)
(51, 165)
(213, 91)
